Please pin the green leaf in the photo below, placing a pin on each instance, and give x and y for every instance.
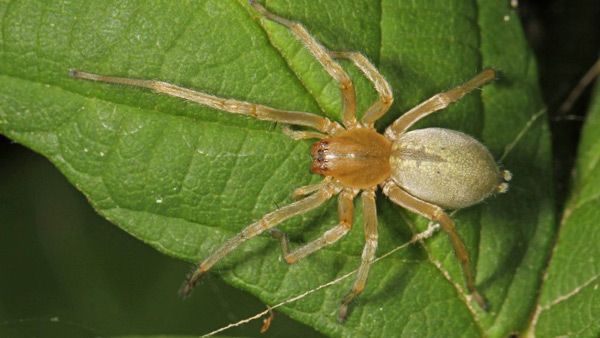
(67, 272)
(569, 303)
(185, 178)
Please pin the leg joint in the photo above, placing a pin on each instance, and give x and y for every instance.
(372, 239)
(443, 99)
(387, 185)
(345, 82)
(387, 99)
(437, 214)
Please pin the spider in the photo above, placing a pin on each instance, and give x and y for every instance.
(425, 171)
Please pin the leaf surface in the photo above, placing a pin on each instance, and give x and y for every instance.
(185, 178)
(569, 300)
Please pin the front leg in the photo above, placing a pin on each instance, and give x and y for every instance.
(256, 111)
(322, 55)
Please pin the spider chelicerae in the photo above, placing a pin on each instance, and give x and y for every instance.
(425, 170)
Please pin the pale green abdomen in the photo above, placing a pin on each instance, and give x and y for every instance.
(444, 167)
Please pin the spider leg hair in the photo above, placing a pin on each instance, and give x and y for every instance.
(266, 222)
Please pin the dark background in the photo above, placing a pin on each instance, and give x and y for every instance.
(66, 272)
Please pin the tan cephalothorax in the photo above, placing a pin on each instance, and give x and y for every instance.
(424, 171)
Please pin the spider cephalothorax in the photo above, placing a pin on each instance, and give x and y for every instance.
(358, 158)
(424, 171)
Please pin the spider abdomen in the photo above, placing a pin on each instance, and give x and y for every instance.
(444, 167)
(359, 158)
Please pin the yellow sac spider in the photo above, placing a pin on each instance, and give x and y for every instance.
(425, 171)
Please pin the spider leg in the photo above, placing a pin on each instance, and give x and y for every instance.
(435, 213)
(308, 189)
(346, 214)
(302, 134)
(257, 111)
(266, 222)
(322, 55)
(437, 102)
(379, 108)
(368, 254)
